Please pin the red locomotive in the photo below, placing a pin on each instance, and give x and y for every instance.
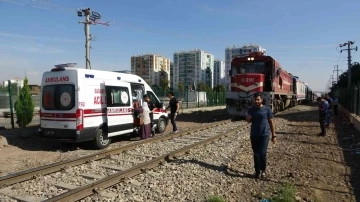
(257, 72)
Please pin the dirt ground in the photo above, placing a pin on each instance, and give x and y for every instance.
(320, 169)
(19, 153)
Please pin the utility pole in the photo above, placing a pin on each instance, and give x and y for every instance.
(337, 73)
(91, 18)
(349, 49)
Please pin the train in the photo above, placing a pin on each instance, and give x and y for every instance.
(260, 73)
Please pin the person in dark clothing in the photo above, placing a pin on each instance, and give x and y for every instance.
(323, 107)
(151, 106)
(261, 118)
(336, 105)
(174, 110)
(328, 111)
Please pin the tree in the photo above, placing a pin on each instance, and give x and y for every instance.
(164, 83)
(24, 106)
(181, 87)
(343, 78)
(5, 89)
(203, 87)
(220, 88)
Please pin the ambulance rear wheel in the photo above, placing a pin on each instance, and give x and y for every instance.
(101, 140)
(161, 125)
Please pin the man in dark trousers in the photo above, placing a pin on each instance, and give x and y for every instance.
(328, 111)
(174, 110)
(151, 106)
(323, 108)
(336, 105)
(261, 118)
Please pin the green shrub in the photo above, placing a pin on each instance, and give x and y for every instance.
(24, 106)
(286, 193)
(216, 198)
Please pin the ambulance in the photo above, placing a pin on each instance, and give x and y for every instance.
(80, 105)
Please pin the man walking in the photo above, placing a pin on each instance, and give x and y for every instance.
(174, 110)
(323, 108)
(261, 117)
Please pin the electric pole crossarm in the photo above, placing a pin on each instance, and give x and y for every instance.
(349, 49)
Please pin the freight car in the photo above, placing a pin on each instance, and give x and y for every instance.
(257, 72)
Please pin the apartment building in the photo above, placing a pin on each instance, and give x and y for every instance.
(19, 82)
(219, 72)
(151, 67)
(192, 67)
(171, 74)
(235, 51)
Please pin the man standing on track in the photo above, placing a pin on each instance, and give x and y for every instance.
(323, 108)
(174, 110)
(261, 118)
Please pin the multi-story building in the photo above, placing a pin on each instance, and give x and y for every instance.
(19, 82)
(153, 68)
(192, 67)
(171, 75)
(235, 51)
(219, 72)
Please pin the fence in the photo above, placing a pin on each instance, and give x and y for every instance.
(349, 98)
(5, 115)
(191, 99)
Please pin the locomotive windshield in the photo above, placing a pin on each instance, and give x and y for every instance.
(249, 67)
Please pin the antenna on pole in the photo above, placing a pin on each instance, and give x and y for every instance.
(91, 18)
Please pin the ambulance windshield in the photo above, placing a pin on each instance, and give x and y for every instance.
(58, 97)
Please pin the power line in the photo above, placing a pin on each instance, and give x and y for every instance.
(55, 5)
(28, 5)
(38, 38)
(171, 34)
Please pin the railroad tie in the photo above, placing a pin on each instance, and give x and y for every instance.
(112, 167)
(26, 198)
(108, 195)
(92, 176)
(63, 185)
(130, 160)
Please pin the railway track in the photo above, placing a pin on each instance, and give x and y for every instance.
(73, 180)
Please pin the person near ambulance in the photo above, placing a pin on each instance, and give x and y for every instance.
(174, 110)
(151, 107)
(145, 127)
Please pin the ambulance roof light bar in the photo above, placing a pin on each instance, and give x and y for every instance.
(61, 67)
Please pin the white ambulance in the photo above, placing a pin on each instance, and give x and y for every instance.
(80, 105)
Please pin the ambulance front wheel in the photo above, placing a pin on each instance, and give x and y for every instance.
(101, 140)
(161, 125)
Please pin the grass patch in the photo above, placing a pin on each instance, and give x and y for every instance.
(216, 198)
(286, 193)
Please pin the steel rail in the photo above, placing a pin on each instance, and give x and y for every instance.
(98, 186)
(21, 176)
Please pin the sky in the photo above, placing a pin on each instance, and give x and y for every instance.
(302, 35)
